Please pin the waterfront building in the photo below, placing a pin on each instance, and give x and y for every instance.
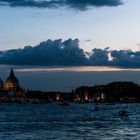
(58, 97)
(11, 91)
(12, 82)
(82, 94)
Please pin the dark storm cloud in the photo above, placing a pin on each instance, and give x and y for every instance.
(84, 4)
(99, 57)
(126, 58)
(68, 53)
(120, 58)
(31, 3)
(76, 4)
(49, 53)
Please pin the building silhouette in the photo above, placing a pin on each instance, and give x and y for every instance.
(12, 82)
(11, 91)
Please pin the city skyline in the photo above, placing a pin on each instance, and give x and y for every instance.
(69, 69)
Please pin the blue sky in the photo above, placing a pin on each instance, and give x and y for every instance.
(117, 27)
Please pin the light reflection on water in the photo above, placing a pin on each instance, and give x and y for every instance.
(74, 122)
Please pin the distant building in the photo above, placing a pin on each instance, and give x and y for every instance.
(11, 89)
(12, 82)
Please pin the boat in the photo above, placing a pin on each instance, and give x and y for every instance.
(96, 108)
(122, 113)
(64, 103)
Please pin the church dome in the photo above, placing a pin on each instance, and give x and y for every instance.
(12, 82)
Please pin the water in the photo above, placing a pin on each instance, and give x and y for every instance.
(74, 122)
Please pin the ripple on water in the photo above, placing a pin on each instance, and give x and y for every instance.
(74, 122)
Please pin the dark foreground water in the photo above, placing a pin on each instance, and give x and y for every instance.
(74, 122)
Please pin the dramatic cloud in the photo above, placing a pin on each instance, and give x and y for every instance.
(76, 4)
(99, 57)
(84, 4)
(49, 53)
(126, 58)
(68, 53)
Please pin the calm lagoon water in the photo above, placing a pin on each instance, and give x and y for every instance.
(73, 122)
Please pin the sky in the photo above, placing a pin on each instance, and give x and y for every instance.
(66, 79)
(57, 33)
(115, 26)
